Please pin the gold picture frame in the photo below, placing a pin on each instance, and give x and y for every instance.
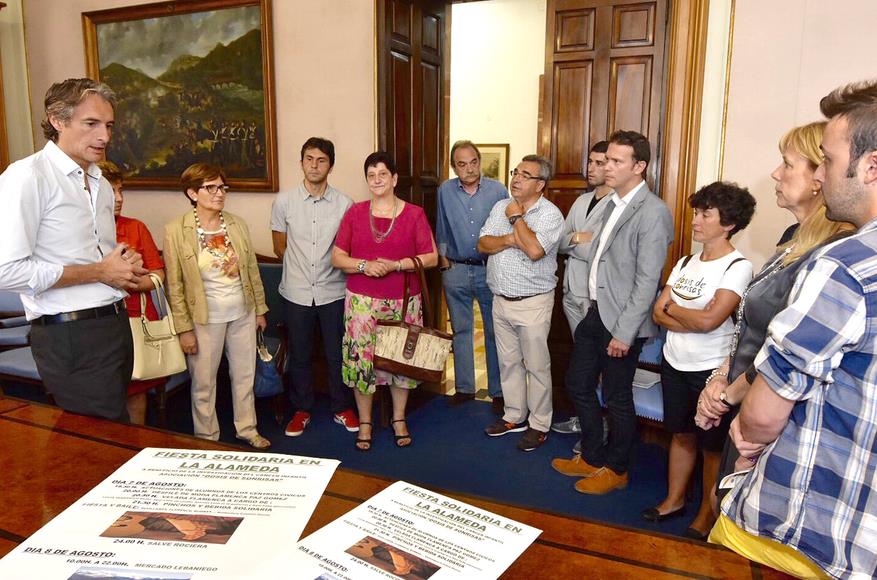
(495, 161)
(194, 81)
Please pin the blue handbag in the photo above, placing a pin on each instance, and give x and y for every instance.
(268, 382)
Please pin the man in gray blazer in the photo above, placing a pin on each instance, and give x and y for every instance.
(624, 272)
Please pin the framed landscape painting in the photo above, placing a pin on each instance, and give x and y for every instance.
(194, 82)
(495, 161)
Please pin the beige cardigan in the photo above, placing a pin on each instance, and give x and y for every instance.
(185, 289)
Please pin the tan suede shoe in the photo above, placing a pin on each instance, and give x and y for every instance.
(602, 482)
(575, 467)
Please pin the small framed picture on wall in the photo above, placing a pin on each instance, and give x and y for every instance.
(495, 161)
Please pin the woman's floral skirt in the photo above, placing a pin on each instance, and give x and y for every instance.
(358, 346)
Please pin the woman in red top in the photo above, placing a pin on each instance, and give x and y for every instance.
(374, 246)
(135, 235)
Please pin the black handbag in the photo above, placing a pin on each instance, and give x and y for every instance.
(268, 382)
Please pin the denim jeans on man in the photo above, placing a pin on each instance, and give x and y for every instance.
(301, 321)
(588, 361)
(463, 284)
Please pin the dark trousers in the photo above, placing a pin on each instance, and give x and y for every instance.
(86, 365)
(588, 363)
(301, 321)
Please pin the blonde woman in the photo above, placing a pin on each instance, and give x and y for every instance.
(217, 300)
(768, 292)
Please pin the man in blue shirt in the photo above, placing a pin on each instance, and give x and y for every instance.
(463, 206)
(808, 424)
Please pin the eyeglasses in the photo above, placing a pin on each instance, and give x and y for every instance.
(524, 175)
(213, 188)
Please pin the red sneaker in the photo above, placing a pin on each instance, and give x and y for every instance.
(298, 423)
(348, 419)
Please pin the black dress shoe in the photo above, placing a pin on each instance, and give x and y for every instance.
(653, 515)
(498, 406)
(695, 535)
(460, 398)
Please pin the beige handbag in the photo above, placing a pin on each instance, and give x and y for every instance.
(416, 352)
(157, 351)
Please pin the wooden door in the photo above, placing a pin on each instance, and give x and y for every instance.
(413, 88)
(604, 71)
(413, 41)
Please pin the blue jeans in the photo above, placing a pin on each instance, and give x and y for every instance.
(301, 322)
(587, 363)
(463, 284)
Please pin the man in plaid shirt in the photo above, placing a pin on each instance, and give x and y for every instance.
(809, 421)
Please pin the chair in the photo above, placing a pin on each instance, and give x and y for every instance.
(18, 365)
(276, 338)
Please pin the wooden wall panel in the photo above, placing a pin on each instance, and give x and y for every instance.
(572, 107)
(630, 94)
(401, 20)
(401, 106)
(633, 25)
(575, 30)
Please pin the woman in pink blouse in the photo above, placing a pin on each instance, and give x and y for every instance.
(374, 246)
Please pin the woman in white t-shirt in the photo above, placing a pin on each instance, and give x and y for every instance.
(696, 308)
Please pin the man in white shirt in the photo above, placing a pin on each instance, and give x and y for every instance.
(303, 227)
(625, 263)
(59, 252)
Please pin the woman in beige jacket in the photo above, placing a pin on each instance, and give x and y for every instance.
(217, 300)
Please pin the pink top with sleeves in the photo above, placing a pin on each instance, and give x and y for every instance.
(411, 236)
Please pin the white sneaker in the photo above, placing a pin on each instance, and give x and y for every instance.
(570, 426)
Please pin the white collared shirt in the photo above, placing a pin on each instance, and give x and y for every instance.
(49, 220)
(310, 224)
(621, 204)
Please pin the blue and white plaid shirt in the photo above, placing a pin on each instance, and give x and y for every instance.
(815, 487)
(511, 272)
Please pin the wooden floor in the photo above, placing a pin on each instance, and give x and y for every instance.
(39, 480)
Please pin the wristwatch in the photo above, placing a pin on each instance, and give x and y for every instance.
(361, 267)
(723, 397)
(514, 218)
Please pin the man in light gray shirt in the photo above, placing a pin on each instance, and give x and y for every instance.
(303, 227)
(582, 223)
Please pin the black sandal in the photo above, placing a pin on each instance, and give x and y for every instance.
(400, 438)
(368, 442)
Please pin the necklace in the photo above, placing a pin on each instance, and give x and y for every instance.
(775, 266)
(377, 235)
(202, 238)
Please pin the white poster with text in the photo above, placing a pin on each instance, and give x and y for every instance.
(410, 532)
(179, 514)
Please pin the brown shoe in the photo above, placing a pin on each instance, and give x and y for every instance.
(602, 482)
(575, 467)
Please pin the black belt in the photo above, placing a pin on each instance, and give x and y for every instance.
(84, 314)
(517, 298)
(469, 262)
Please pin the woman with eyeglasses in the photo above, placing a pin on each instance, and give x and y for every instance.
(375, 245)
(217, 300)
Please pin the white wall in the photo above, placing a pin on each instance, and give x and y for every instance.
(15, 81)
(324, 78)
(497, 55)
(787, 54)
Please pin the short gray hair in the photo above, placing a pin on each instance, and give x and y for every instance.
(62, 98)
(544, 166)
(464, 143)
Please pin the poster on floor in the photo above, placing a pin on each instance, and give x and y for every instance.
(410, 532)
(179, 514)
